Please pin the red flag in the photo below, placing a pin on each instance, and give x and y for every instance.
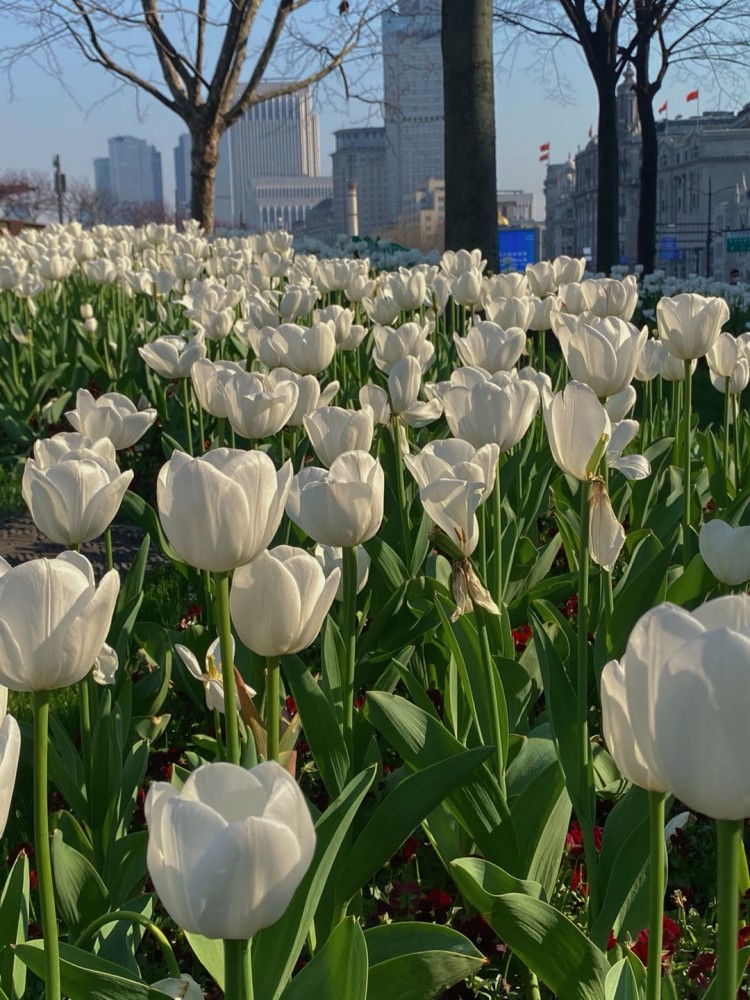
(544, 148)
(543, 157)
(591, 131)
(663, 108)
(692, 96)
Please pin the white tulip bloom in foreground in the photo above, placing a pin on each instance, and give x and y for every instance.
(451, 457)
(227, 852)
(279, 601)
(305, 350)
(675, 707)
(738, 379)
(723, 354)
(407, 340)
(112, 415)
(309, 394)
(726, 551)
(10, 749)
(53, 621)
(73, 488)
(652, 360)
(631, 466)
(342, 506)
(222, 509)
(689, 324)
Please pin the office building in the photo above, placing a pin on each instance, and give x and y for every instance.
(360, 159)
(131, 174)
(412, 100)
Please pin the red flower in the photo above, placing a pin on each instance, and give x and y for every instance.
(410, 848)
(435, 906)
(291, 707)
(612, 941)
(670, 935)
(700, 966)
(521, 637)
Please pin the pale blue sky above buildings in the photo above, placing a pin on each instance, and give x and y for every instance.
(41, 115)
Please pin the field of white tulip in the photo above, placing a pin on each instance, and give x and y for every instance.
(431, 675)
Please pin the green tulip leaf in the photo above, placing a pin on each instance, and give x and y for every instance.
(14, 923)
(319, 722)
(278, 946)
(626, 980)
(338, 970)
(143, 514)
(545, 940)
(399, 813)
(87, 977)
(422, 740)
(424, 959)
(210, 953)
(80, 893)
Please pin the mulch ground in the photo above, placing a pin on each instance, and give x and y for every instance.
(20, 539)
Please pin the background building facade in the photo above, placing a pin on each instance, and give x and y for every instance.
(412, 100)
(360, 158)
(131, 174)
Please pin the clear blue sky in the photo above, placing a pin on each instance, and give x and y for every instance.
(40, 116)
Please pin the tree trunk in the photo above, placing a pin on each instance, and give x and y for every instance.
(608, 185)
(204, 158)
(469, 101)
(647, 196)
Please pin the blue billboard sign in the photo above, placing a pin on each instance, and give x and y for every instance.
(516, 248)
(669, 249)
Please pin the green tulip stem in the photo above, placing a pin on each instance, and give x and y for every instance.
(725, 443)
(729, 842)
(657, 863)
(186, 416)
(687, 420)
(238, 978)
(497, 540)
(224, 626)
(134, 918)
(531, 984)
(349, 558)
(499, 711)
(582, 704)
(201, 430)
(736, 436)
(398, 459)
(272, 707)
(41, 838)
(108, 549)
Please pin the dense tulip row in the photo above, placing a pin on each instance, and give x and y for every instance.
(460, 497)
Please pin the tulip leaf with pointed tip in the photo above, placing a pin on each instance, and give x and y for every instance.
(540, 810)
(338, 970)
(65, 767)
(278, 946)
(322, 731)
(210, 953)
(639, 595)
(691, 587)
(623, 869)
(545, 940)
(14, 924)
(87, 977)
(424, 959)
(624, 980)
(562, 709)
(80, 893)
(387, 563)
(461, 639)
(399, 813)
(422, 740)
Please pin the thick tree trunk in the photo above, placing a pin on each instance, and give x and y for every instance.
(649, 166)
(469, 101)
(204, 158)
(608, 193)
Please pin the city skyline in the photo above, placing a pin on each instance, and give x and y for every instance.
(44, 119)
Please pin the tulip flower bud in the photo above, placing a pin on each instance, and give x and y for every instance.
(726, 551)
(227, 851)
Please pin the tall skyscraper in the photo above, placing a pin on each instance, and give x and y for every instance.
(413, 100)
(131, 173)
(360, 159)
